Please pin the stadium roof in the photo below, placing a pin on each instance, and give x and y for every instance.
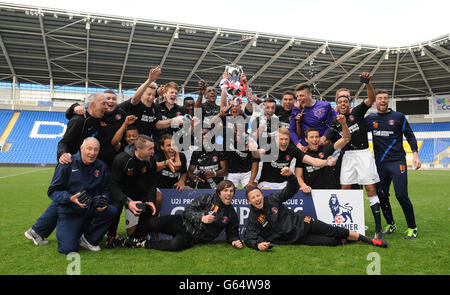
(45, 45)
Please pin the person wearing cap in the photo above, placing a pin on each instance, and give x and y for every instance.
(358, 164)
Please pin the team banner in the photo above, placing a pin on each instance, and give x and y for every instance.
(343, 208)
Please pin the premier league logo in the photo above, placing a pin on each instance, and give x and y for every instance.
(341, 213)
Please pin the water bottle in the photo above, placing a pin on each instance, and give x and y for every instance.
(335, 155)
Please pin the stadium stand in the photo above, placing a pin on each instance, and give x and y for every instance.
(34, 138)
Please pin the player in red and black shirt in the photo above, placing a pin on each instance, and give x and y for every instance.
(358, 164)
(275, 161)
(207, 166)
(170, 111)
(311, 177)
(284, 110)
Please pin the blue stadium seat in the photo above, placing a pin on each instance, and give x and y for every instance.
(428, 127)
(24, 148)
(5, 116)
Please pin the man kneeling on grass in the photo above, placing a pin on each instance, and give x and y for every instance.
(270, 221)
(201, 222)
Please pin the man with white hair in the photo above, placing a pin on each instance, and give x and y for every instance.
(78, 128)
(80, 192)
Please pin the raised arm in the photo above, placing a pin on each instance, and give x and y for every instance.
(115, 141)
(201, 92)
(153, 75)
(346, 136)
(370, 92)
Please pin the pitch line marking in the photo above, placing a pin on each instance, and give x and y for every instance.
(17, 174)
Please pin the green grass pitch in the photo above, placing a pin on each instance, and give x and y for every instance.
(23, 198)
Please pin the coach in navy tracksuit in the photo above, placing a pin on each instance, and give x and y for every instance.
(78, 222)
(388, 128)
(78, 128)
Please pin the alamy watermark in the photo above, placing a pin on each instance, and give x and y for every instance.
(74, 267)
(240, 134)
(374, 267)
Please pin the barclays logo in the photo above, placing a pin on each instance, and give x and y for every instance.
(341, 213)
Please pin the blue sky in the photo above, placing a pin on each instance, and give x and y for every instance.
(380, 22)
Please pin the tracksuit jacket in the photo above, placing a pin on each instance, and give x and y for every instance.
(275, 222)
(75, 177)
(132, 178)
(226, 219)
(77, 130)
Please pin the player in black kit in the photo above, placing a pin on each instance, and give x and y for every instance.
(207, 167)
(310, 177)
(271, 177)
(358, 164)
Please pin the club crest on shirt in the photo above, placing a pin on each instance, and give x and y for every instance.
(97, 173)
(274, 210)
(144, 169)
(262, 220)
(391, 122)
(351, 118)
(224, 219)
(215, 159)
(321, 155)
(288, 157)
(375, 125)
(118, 117)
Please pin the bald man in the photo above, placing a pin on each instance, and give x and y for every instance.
(79, 191)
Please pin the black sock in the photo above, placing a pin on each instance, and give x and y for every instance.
(377, 216)
(365, 239)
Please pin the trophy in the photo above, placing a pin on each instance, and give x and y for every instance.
(232, 84)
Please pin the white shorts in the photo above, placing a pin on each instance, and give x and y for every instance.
(272, 185)
(358, 167)
(236, 178)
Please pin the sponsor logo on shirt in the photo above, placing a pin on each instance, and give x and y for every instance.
(211, 167)
(279, 165)
(170, 174)
(382, 133)
(353, 128)
(149, 119)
